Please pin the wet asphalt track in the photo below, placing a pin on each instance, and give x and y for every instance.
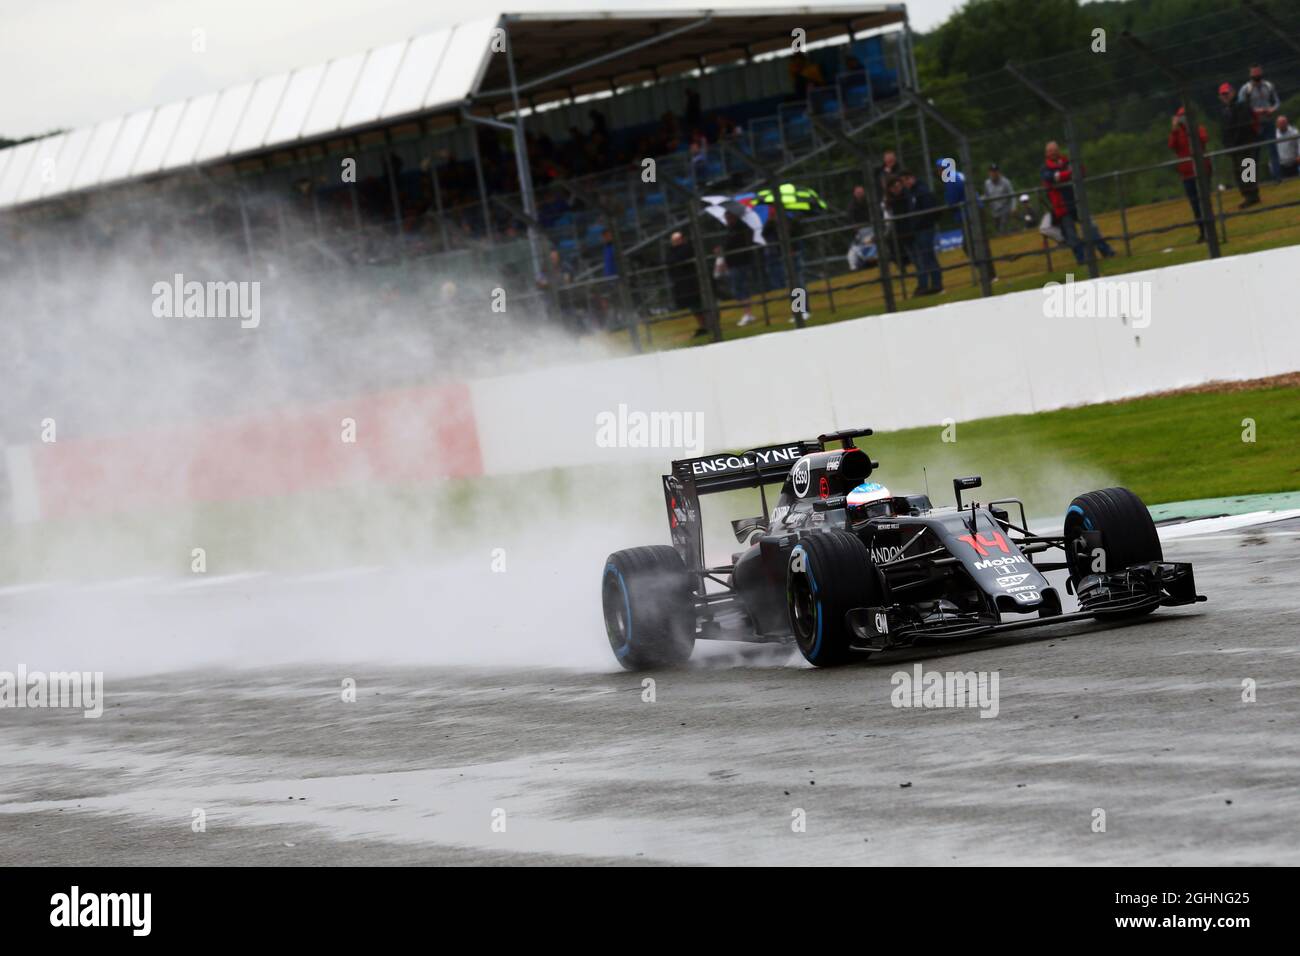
(1144, 721)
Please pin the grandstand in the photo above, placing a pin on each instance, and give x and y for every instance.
(430, 122)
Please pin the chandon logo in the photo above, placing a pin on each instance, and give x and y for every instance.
(885, 555)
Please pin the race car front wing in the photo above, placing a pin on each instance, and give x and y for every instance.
(1134, 589)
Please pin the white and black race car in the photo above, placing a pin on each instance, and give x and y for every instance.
(843, 567)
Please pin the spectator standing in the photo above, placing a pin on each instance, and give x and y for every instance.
(898, 222)
(1238, 131)
(1000, 195)
(741, 264)
(889, 167)
(925, 209)
(1028, 215)
(1058, 178)
(1288, 148)
(954, 197)
(1181, 143)
(1261, 96)
(684, 278)
(859, 207)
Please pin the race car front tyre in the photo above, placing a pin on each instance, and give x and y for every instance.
(1128, 535)
(829, 574)
(649, 610)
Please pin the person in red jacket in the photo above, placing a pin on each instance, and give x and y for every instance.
(1181, 143)
(1057, 180)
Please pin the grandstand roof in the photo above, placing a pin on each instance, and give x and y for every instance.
(556, 55)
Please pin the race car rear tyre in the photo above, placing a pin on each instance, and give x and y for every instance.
(649, 609)
(1128, 535)
(829, 573)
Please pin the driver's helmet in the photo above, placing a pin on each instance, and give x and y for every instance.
(869, 500)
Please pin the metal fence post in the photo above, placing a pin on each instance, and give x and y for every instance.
(625, 297)
(978, 243)
(873, 200)
(1123, 213)
(1193, 137)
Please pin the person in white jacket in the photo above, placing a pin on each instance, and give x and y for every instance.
(1288, 148)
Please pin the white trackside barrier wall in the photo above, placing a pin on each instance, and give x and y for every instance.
(1231, 319)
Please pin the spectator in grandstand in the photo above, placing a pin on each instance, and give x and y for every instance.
(859, 207)
(1261, 96)
(804, 75)
(1057, 177)
(728, 131)
(925, 222)
(609, 258)
(1000, 195)
(670, 139)
(699, 158)
(742, 265)
(694, 116)
(1288, 148)
(1238, 131)
(1181, 143)
(555, 274)
(684, 279)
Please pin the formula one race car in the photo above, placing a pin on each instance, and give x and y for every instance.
(843, 566)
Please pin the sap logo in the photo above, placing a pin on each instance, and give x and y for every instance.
(885, 555)
(1011, 580)
(1000, 562)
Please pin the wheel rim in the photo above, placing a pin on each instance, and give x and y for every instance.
(1076, 545)
(803, 610)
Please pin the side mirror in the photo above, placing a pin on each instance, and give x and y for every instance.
(742, 527)
(964, 484)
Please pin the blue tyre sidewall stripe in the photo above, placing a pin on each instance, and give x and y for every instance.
(627, 606)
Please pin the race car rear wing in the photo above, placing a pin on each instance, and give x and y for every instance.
(749, 469)
(692, 477)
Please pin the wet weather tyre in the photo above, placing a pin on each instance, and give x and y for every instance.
(829, 573)
(649, 608)
(1128, 535)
